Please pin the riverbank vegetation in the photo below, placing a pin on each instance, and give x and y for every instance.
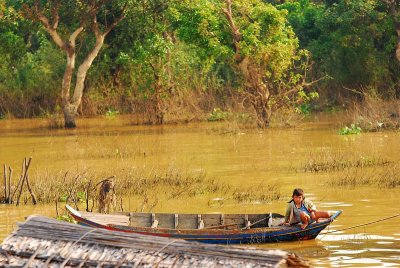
(179, 61)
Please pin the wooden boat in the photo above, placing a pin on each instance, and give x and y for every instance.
(206, 228)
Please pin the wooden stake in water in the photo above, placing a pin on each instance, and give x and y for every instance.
(10, 172)
(5, 183)
(24, 177)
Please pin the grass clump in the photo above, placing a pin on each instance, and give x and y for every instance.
(176, 183)
(257, 194)
(335, 161)
(386, 178)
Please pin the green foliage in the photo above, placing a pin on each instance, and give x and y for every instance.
(353, 129)
(66, 217)
(112, 113)
(166, 49)
(351, 41)
(80, 196)
(304, 108)
(217, 115)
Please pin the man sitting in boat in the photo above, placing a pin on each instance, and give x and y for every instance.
(302, 210)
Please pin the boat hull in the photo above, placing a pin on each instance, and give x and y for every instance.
(212, 236)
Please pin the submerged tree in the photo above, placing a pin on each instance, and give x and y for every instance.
(65, 21)
(265, 54)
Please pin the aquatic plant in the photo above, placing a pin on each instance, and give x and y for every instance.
(111, 113)
(353, 129)
(217, 115)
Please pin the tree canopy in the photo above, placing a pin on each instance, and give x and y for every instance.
(167, 57)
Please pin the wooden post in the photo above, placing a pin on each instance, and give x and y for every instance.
(176, 221)
(10, 172)
(22, 179)
(30, 190)
(88, 188)
(25, 177)
(5, 183)
(27, 181)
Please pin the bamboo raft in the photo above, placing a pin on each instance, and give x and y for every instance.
(46, 242)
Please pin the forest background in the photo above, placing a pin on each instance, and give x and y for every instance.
(167, 61)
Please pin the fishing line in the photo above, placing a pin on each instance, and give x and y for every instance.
(363, 224)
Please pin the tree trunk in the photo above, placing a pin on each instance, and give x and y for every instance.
(398, 43)
(263, 111)
(50, 21)
(70, 105)
(394, 12)
(69, 111)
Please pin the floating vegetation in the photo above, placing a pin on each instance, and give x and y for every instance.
(217, 115)
(112, 113)
(381, 178)
(353, 129)
(335, 161)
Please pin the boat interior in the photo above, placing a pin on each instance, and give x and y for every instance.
(186, 221)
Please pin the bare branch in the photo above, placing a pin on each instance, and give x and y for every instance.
(36, 13)
(74, 35)
(116, 21)
(237, 36)
(54, 12)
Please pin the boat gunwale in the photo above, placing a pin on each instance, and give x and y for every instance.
(278, 230)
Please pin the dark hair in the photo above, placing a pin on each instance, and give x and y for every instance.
(298, 192)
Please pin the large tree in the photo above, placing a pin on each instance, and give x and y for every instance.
(254, 39)
(394, 11)
(69, 21)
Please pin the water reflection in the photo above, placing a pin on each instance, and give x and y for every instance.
(346, 250)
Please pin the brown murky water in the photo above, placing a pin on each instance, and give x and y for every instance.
(240, 158)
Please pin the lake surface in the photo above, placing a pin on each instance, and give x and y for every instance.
(240, 158)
